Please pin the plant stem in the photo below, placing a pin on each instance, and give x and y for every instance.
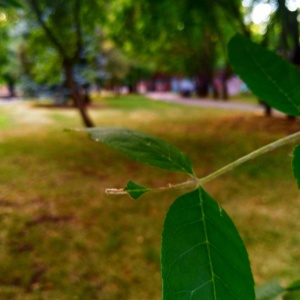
(290, 139)
(182, 185)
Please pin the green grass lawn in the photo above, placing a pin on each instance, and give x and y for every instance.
(62, 238)
(245, 98)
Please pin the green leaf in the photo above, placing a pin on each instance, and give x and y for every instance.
(143, 148)
(296, 164)
(135, 190)
(202, 255)
(294, 286)
(272, 79)
(292, 295)
(269, 291)
(10, 3)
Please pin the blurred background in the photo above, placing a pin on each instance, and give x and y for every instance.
(66, 64)
(63, 50)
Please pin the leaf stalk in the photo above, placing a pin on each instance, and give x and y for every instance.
(290, 139)
(196, 182)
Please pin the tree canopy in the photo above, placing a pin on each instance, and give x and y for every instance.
(65, 42)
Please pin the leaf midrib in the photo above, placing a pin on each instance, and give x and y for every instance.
(207, 244)
(169, 158)
(163, 157)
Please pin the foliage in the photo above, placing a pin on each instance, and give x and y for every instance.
(144, 148)
(9, 64)
(280, 32)
(117, 65)
(68, 29)
(202, 254)
(178, 36)
(196, 262)
(66, 35)
(39, 60)
(4, 51)
(256, 65)
(10, 3)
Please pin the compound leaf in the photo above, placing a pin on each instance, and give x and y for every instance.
(202, 255)
(135, 190)
(143, 147)
(273, 80)
(296, 164)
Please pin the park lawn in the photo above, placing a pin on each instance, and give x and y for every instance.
(62, 238)
(245, 98)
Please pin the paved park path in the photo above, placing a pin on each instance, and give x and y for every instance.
(174, 98)
(9, 100)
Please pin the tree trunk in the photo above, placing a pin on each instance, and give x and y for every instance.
(11, 89)
(225, 95)
(215, 91)
(10, 83)
(227, 72)
(76, 95)
(86, 97)
(267, 109)
(203, 84)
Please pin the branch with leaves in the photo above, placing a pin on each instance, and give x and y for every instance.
(202, 255)
(39, 15)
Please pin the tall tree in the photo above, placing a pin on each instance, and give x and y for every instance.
(10, 3)
(67, 25)
(186, 37)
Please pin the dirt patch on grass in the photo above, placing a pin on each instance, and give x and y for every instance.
(24, 115)
(252, 123)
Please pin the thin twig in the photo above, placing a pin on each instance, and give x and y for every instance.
(290, 139)
(182, 185)
(195, 182)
